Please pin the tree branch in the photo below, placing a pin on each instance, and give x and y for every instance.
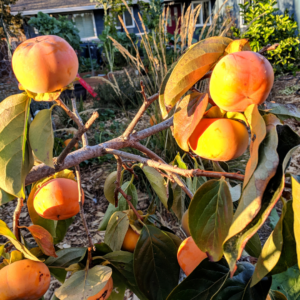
(17, 212)
(143, 108)
(76, 157)
(77, 170)
(154, 156)
(175, 169)
(268, 48)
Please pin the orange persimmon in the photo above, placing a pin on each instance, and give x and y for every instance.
(66, 143)
(240, 79)
(45, 64)
(105, 292)
(57, 199)
(189, 256)
(130, 240)
(219, 139)
(24, 279)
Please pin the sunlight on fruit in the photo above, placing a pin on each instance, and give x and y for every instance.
(57, 199)
(219, 139)
(24, 279)
(189, 256)
(45, 64)
(66, 143)
(130, 240)
(185, 223)
(240, 79)
(105, 292)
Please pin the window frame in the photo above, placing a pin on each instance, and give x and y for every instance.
(94, 26)
(123, 16)
(195, 3)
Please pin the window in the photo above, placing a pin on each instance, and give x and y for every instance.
(127, 19)
(85, 23)
(205, 12)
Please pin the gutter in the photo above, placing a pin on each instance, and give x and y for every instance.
(297, 12)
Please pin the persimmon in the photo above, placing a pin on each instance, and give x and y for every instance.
(219, 139)
(66, 143)
(45, 64)
(24, 279)
(57, 199)
(153, 120)
(189, 256)
(105, 292)
(130, 240)
(240, 79)
(185, 223)
(269, 298)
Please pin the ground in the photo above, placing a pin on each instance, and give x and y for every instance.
(94, 175)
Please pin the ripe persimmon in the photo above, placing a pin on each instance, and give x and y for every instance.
(105, 292)
(130, 240)
(185, 223)
(57, 199)
(240, 79)
(24, 279)
(219, 139)
(66, 143)
(45, 64)
(189, 256)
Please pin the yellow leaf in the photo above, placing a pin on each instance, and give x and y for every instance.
(15, 255)
(192, 66)
(215, 112)
(237, 46)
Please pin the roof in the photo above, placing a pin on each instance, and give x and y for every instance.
(32, 7)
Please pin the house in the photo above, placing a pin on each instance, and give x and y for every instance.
(90, 20)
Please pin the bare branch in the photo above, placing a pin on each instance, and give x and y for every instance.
(85, 141)
(143, 108)
(75, 139)
(75, 158)
(17, 212)
(168, 168)
(269, 47)
(77, 170)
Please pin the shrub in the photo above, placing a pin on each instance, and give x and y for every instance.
(61, 26)
(265, 27)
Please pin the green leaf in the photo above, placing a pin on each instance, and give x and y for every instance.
(41, 136)
(110, 186)
(155, 263)
(16, 156)
(116, 230)
(253, 246)
(273, 249)
(66, 257)
(5, 231)
(118, 292)
(287, 283)
(211, 280)
(84, 284)
(296, 209)
(288, 141)
(132, 192)
(258, 133)
(283, 111)
(157, 182)
(274, 218)
(210, 216)
(178, 200)
(192, 66)
(59, 274)
(5, 197)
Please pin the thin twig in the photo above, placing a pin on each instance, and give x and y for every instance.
(68, 112)
(268, 48)
(175, 170)
(130, 170)
(75, 139)
(143, 108)
(17, 212)
(154, 156)
(128, 199)
(118, 184)
(77, 170)
(85, 141)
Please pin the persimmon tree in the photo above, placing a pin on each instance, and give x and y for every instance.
(138, 252)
